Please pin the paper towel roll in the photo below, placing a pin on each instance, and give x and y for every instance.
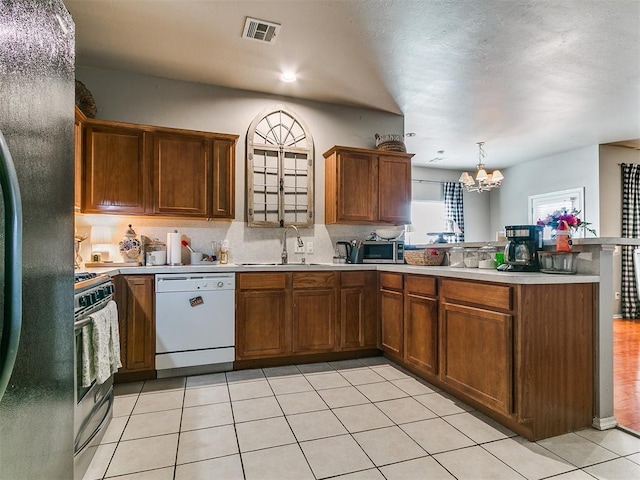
(174, 248)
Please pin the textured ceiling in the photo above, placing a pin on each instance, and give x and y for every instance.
(529, 78)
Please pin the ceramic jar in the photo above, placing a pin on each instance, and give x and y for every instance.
(129, 246)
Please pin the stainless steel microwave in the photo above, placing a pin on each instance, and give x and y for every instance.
(383, 251)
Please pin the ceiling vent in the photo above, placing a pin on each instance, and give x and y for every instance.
(260, 30)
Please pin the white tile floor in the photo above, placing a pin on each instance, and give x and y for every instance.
(356, 420)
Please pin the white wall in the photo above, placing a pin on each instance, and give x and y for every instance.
(151, 100)
(476, 205)
(572, 169)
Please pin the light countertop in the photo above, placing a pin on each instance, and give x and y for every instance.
(463, 273)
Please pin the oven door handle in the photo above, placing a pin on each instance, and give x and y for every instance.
(12, 321)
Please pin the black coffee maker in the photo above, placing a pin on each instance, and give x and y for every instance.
(521, 253)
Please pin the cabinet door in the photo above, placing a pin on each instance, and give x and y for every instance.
(262, 319)
(115, 170)
(78, 131)
(477, 354)
(358, 322)
(314, 320)
(394, 190)
(181, 175)
(224, 185)
(421, 332)
(391, 313)
(357, 187)
(135, 299)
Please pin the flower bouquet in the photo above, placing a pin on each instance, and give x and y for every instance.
(555, 219)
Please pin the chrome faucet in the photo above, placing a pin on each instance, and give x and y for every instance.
(285, 256)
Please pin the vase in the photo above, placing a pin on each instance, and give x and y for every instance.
(129, 246)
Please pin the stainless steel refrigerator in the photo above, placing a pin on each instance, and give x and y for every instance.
(37, 41)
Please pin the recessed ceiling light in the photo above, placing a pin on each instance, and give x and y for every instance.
(410, 134)
(288, 77)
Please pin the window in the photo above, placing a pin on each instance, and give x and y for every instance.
(426, 216)
(546, 203)
(280, 168)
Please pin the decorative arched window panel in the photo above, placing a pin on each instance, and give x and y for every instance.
(280, 168)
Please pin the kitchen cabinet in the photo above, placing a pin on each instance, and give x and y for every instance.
(145, 170)
(477, 341)
(521, 353)
(116, 171)
(367, 186)
(358, 310)
(304, 313)
(78, 132)
(314, 312)
(421, 323)
(181, 175)
(263, 315)
(391, 314)
(136, 318)
(394, 189)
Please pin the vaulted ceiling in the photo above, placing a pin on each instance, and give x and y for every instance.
(529, 78)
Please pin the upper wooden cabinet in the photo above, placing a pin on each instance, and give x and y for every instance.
(78, 132)
(367, 186)
(144, 170)
(181, 175)
(115, 170)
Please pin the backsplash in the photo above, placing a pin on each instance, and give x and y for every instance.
(246, 244)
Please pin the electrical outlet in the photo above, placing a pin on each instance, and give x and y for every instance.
(298, 249)
(309, 247)
(616, 295)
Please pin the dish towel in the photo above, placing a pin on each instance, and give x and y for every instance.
(88, 369)
(106, 342)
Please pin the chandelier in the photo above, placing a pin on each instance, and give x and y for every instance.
(484, 181)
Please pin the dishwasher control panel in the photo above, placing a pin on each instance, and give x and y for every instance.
(176, 282)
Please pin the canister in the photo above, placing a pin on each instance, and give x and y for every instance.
(456, 257)
(487, 256)
(471, 257)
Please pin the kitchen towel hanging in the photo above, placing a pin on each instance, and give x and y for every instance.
(174, 248)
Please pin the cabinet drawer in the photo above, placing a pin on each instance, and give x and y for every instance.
(391, 281)
(420, 285)
(488, 295)
(314, 280)
(261, 281)
(354, 279)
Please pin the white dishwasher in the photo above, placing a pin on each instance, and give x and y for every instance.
(195, 323)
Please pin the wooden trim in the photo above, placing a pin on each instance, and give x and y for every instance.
(155, 128)
(369, 151)
(308, 358)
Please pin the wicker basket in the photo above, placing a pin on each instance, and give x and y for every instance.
(392, 147)
(425, 258)
(390, 143)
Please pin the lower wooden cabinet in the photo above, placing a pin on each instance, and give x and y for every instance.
(263, 315)
(392, 314)
(421, 324)
(304, 313)
(358, 310)
(136, 316)
(477, 354)
(314, 312)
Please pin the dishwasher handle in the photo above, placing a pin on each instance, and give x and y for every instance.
(167, 283)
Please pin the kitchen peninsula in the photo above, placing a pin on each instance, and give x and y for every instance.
(523, 318)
